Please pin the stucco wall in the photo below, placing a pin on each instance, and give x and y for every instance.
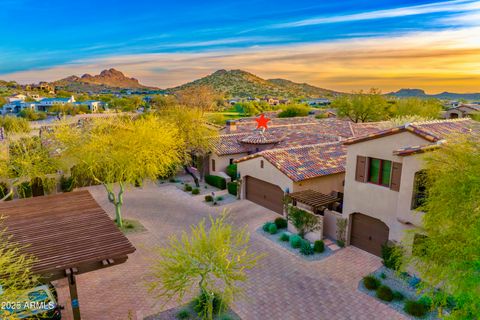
(221, 162)
(324, 184)
(378, 201)
(448, 113)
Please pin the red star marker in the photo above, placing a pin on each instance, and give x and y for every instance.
(262, 122)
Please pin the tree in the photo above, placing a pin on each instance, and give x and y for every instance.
(158, 102)
(448, 256)
(195, 133)
(201, 97)
(212, 260)
(362, 107)
(121, 151)
(424, 108)
(303, 221)
(15, 272)
(294, 110)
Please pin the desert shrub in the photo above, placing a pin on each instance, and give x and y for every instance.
(188, 187)
(173, 180)
(384, 293)
(4, 190)
(392, 256)
(397, 295)
(426, 301)
(200, 304)
(341, 243)
(295, 241)
(284, 237)
(231, 171)
(319, 246)
(219, 198)
(415, 308)
(232, 188)
(208, 198)
(294, 110)
(216, 181)
(266, 226)
(371, 283)
(281, 223)
(303, 221)
(196, 191)
(183, 314)
(306, 247)
(13, 124)
(272, 228)
(383, 275)
(25, 190)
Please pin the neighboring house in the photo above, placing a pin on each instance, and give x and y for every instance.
(92, 105)
(17, 106)
(268, 175)
(16, 97)
(462, 111)
(384, 180)
(45, 104)
(318, 102)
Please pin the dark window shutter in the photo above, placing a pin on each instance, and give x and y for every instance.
(361, 169)
(396, 175)
(213, 165)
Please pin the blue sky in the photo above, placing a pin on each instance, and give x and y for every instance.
(166, 43)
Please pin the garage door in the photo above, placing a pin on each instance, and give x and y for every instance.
(265, 194)
(368, 233)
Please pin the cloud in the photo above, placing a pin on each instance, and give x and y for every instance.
(446, 6)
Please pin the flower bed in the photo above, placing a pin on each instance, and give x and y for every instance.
(277, 233)
(396, 290)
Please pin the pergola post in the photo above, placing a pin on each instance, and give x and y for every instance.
(72, 285)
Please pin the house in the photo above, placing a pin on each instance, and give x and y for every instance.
(462, 111)
(318, 102)
(17, 106)
(16, 97)
(384, 180)
(46, 103)
(92, 105)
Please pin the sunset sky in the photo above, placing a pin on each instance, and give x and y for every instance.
(342, 45)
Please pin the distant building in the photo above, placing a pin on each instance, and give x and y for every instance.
(17, 106)
(45, 104)
(462, 111)
(318, 102)
(16, 97)
(92, 105)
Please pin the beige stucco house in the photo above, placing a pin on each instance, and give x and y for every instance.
(462, 111)
(383, 181)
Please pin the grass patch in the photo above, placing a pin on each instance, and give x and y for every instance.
(131, 226)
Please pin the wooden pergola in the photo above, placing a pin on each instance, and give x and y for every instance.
(316, 200)
(68, 234)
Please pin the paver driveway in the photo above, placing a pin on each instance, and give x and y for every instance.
(284, 287)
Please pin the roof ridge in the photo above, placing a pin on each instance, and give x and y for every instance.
(438, 121)
(300, 147)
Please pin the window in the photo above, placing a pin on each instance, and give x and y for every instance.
(213, 164)
(419, 189)
(379, 171)
(261, 164)
(231, 161)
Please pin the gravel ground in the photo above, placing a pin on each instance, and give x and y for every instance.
(171, 314)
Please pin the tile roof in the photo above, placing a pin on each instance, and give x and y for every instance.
(408, 151)
(431, 131)
(306, 162)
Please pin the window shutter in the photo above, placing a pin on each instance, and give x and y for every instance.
(213, 165)
(361, 169)
(396, 175)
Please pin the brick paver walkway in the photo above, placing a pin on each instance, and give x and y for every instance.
(283, 287)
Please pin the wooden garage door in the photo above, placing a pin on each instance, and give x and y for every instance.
(368, 233)
(265, 194)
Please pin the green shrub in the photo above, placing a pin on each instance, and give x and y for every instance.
(319, 246)
(397, 295)
(415, 308)
(4, 190)
(341, 243)
(66, 184)
(306, 248)
(284, 237)
(188, 187)
(383, 275)
(272, 228)
(200, 304)
(172, 180)
(391, 256)
(232, 171)
(266, 226)
(426, 301)
(226, 317)
(216, 181)
(25, 190)
(219, 198)
(183, 314)
(196, 191)
(371, 283)
(294, 110)
(281, 223)
(384, 293)
(232, 188)
(208, 198)
(295, 241)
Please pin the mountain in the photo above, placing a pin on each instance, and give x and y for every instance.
(239, 83)
(110, 79)
(419, 93)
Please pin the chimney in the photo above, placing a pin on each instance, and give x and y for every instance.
(231, 126)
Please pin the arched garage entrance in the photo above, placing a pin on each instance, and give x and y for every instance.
(265, 194)
(368, 233)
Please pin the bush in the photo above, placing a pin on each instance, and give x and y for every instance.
(341, 243)
(384, 293)
(303, 221)
(208, 198)
(4, 190)
(284, 237)
(383, 275)
(200, 304)
(266, 226)
(391, 256)
(415, 308)
(232, 188)
(183, 314)
(426, 301)
(196, 191)
(219, 198)
(306, 247)
(294, 110)
(371, 283)
(25, 190)
(226, 317)
(319, 246)
(272, 228)
(188, 187)
(216, 181)
(281, 223)
(232, 171)
(295, 241)
(397, 295)
(66, 184)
